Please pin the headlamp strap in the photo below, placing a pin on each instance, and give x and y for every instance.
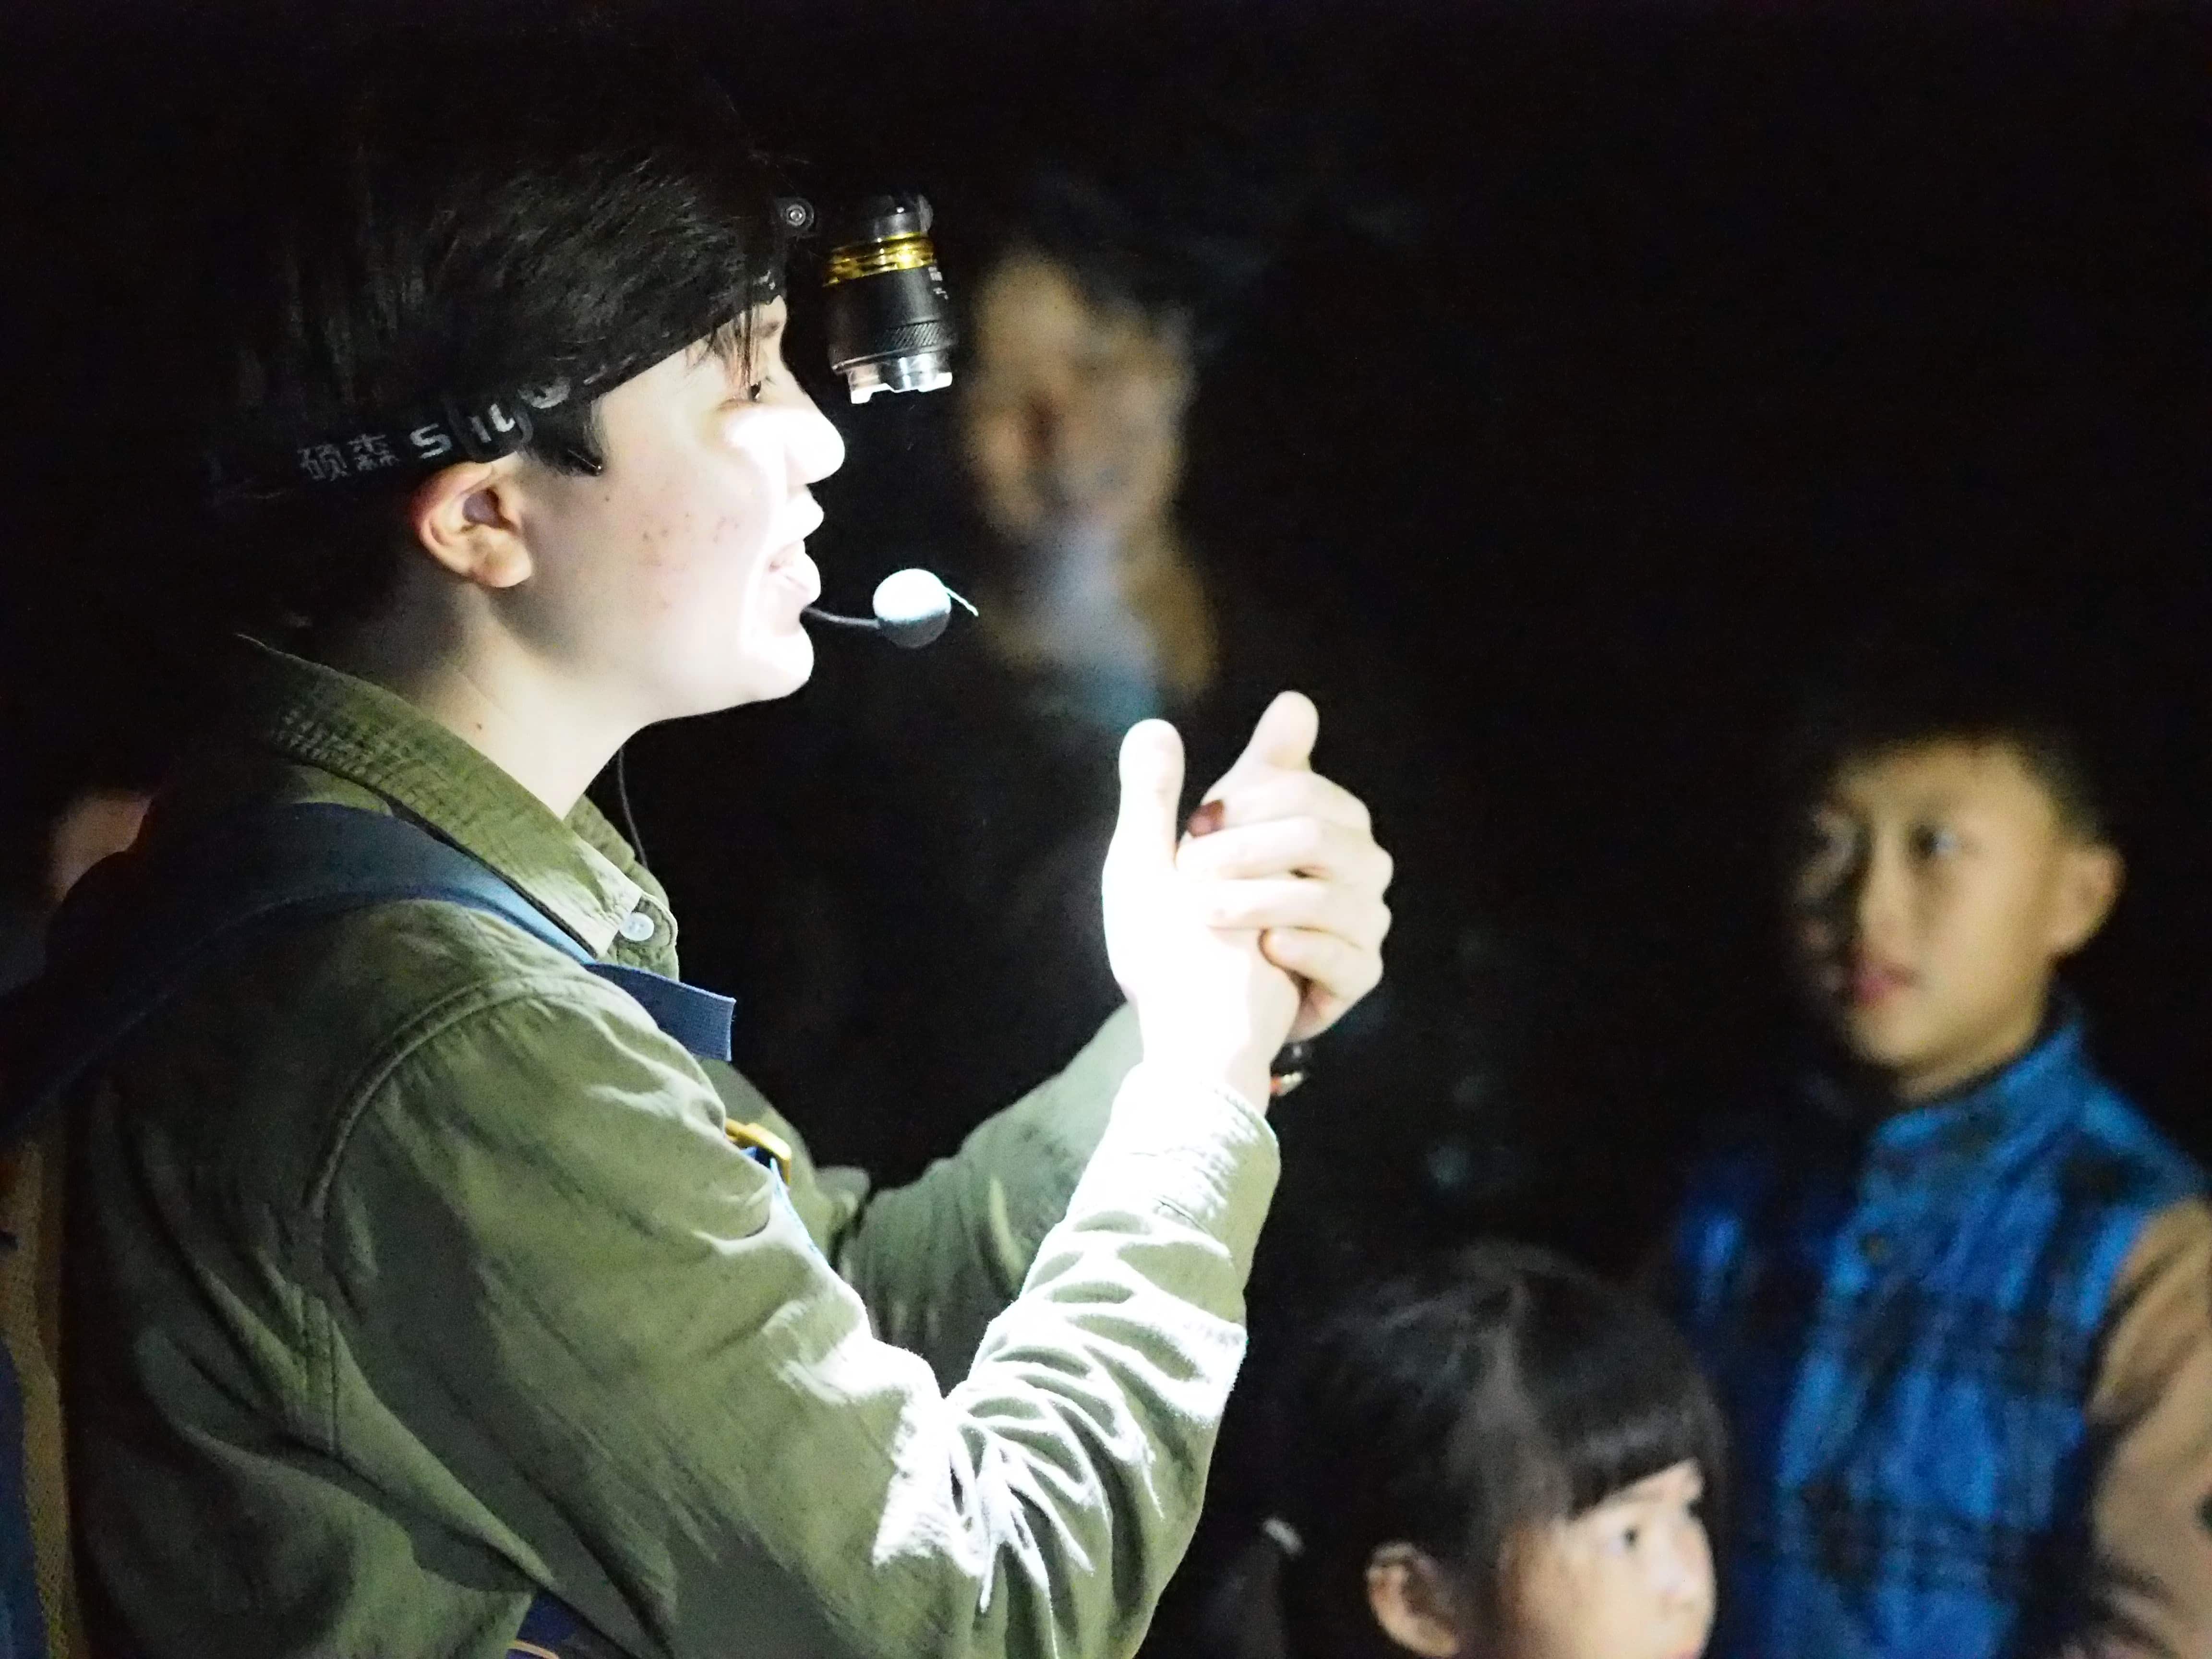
(476, 429)
(451, 428)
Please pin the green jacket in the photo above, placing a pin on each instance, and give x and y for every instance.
(411, 1270)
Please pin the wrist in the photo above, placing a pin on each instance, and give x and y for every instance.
(1249, 1085)
(1243, 1073)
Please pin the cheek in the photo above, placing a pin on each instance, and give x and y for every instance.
(700, 547)
(1149, 425)
(1561, 1603)
(1982, 931)
(997, 438)
(997, 453)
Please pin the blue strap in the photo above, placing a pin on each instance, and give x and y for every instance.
(546, 1627)
(139, 926)
(698, 1018)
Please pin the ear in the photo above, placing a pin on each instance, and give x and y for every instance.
(468, 517)
(1408, 1595)
(2089, 881)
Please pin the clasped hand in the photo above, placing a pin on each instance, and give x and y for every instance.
(1264, 930)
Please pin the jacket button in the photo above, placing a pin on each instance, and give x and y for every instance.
(637, 927)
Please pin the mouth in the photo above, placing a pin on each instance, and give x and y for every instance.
(1864, 984)
(793, 568)
(791, 564)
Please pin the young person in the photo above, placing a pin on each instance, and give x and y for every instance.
(1956, 1300)
(413, 1273)
(1499, 1456)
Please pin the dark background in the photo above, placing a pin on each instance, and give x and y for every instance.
(1610, 369)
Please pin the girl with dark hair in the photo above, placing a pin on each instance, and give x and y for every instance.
(1499, 1454)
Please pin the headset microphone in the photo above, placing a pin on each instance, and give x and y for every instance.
(912, 608)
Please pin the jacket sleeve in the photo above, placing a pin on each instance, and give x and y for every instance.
(2150, 1412)
(570, 1320)
(934, 1261)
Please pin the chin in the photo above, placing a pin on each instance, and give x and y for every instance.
(757, 676)
(1864, 1037)
(1887, 1046)
(792, 667)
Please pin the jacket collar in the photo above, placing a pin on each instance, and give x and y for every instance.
(578, 870)
(2010, 1108)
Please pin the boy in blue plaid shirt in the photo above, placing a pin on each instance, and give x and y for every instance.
(1957, 1296)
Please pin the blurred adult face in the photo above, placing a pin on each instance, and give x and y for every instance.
(676, 577)
(1631, 1578)
(1938, 888)
(1072, 410)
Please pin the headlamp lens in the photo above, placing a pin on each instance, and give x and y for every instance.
(890, 319)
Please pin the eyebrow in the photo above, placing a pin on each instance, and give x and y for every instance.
(1648, 1490)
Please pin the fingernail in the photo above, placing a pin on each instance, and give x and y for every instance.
(1206, 820)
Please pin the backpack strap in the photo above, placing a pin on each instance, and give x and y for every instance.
(141, 925)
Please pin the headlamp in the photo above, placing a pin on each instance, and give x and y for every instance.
(889, 321)
(890, 317)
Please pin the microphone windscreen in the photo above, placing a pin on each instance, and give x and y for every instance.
(912, 607)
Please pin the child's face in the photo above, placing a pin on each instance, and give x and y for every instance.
(1938, 889)
(1631, 1578)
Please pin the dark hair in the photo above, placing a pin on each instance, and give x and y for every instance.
(1997, 682)
(1182, 215)
(1498, 1389)
(463, 217)
(1125, 250)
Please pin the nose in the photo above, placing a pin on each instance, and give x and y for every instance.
(1878, 892)
(815, 447)
(1686, 1572)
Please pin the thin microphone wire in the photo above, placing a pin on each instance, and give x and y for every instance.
(872, 624)
(621, 799)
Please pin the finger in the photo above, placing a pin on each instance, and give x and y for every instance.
(1260, 798)
(1359, 919)
(1151, 788)
(1334, 974)
(1330, 967)
(1283, 737)
(1317, 1011)
(1309, 847)
(1283, 740)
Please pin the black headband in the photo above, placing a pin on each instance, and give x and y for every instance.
(440, 431)
(440, 435)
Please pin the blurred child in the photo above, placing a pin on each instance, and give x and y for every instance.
(1957, 1305)
(1499, 1457)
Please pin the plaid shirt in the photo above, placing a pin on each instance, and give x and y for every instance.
(1904, 1327)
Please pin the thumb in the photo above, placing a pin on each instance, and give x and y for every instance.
(1145, 832)
(1282, 741)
